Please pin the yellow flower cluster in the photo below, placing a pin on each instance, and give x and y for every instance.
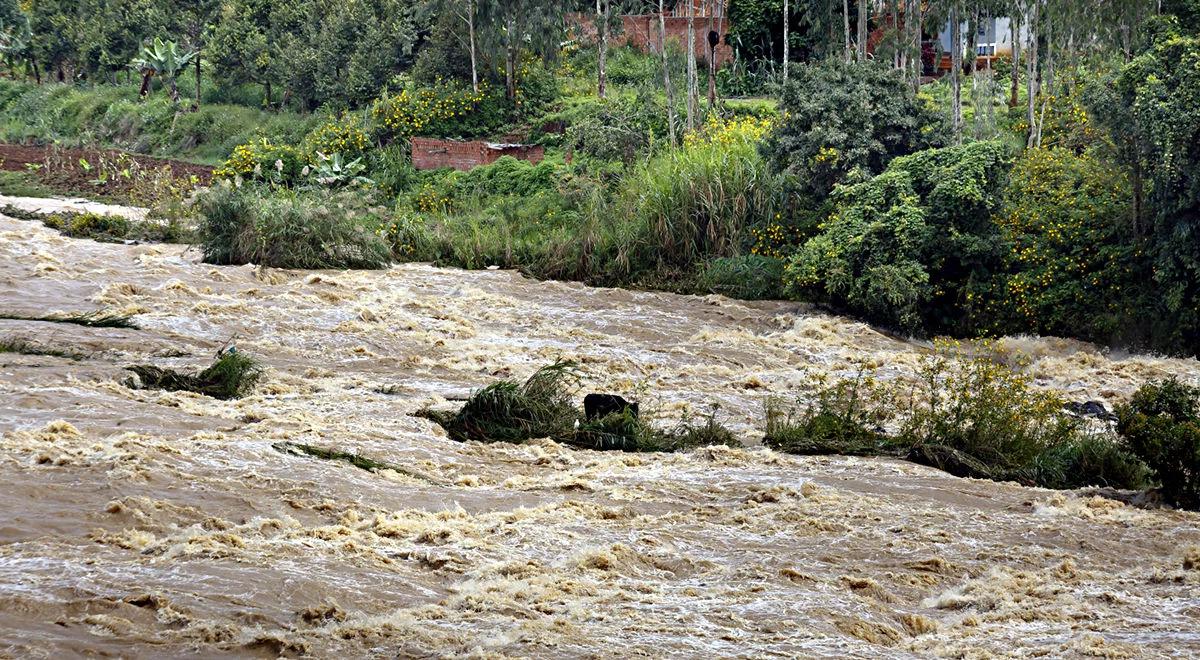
(252, 158)
(774, 239)
(343, 136)
(430, 200)
(414, 110)
(730, 132)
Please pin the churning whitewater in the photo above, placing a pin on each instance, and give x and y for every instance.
(147, 523)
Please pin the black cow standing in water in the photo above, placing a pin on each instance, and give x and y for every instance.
(599, 406)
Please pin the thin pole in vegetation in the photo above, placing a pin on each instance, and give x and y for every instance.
(956, 53)
(713, 41)
(601, 47)
(1032, 81)
(693, 83)
(786, 15)
(471, 36)
(662, 41)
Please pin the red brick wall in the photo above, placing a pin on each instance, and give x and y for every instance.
(641, 31)
(432, 153)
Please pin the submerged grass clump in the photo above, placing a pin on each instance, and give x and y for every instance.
(104, 227)
(357, 460)
(24, 347)
(87, 319)
(543, 407)
(232, 376)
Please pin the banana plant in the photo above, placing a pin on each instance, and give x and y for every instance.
(15, 40)
(162, 58)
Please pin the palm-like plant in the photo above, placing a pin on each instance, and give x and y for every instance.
(162, 58)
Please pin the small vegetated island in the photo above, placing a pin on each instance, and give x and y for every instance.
(879, 214)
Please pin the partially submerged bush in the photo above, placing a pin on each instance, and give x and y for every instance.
(98, 319)
(232, 376)
(970, 412)
(746, 277)
(844, 417)
(968, 415)
(1161, 425)
(543, 407)
(1091, 459)
(239, 226)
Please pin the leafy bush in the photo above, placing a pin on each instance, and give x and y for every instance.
(1091, 459)
(240, 226)
(343, 136)
(902, 247)
(231, 376)
(543, 407)
(617, 129)
(444, 109)
(1161, 425)
(842, 117)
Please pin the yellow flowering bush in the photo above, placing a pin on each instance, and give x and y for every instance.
(435, 110)
(262, 160)
(343, 136)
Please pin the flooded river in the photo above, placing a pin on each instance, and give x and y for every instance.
(154, 524)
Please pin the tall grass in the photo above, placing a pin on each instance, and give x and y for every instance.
(696, 202)
(289, 231)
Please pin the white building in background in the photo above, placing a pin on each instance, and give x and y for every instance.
(995, 37)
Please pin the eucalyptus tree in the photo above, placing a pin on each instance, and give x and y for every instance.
(517, 27)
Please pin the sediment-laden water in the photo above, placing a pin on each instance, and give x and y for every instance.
(143, 523)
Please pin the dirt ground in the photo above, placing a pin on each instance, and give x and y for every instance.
(60, 169)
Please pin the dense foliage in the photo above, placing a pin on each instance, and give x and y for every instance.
(903, 248)
(847, 118)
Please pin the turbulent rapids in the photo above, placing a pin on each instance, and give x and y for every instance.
(153, 523)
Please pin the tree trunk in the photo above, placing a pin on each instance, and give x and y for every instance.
(1032, 76)
(174, 90)
(471, 33)
(918, 42)
(267, 91)
(145, 84)
(862, 30)
(896, 40)
(1048, 82)
(712, 56)
(1014, 24)
(693, 83)
(197, 80)
(601, 47)
(956, 52)
(510, 59)
(786, 54)
(662, 40)
(846, 28)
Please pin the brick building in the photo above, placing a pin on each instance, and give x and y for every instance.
(641, 30)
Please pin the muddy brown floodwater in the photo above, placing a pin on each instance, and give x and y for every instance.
(151, 524)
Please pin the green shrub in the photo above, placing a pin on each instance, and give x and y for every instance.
(746, 277)
(695, 203)
(1072, 264)
(246, 225)
(616, 129)
(543, 407)
(845, 117)
(1091, 459)
(1161, 425)
(263, 161)
(902, 248)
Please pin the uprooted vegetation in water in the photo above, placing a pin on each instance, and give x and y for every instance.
(968, 415)
(104, 227)
(357, 460)
(543, 407)
(232, 376)
(26, 347)
(86, 319)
